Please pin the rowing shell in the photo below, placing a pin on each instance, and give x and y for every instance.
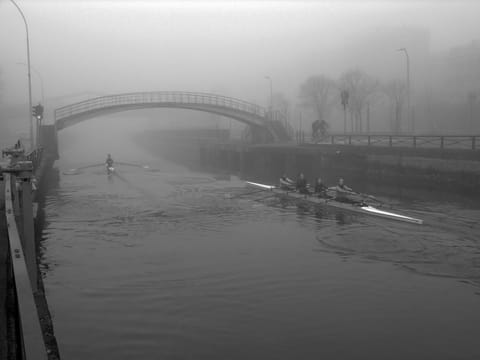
(362, 209)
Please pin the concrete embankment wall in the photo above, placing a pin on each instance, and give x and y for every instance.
(456, 171)
(44, 174)
(5, 286)
(366, 167)
(10, 341)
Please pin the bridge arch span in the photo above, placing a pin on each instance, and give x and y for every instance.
(245, 112)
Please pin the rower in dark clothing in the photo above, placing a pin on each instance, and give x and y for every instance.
(109, 161)
(320, 188)
(302, 186)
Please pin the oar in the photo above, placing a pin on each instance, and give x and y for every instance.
(248, 193)
(152, 197)
(265, 197)
(90, 166)
(371, 197)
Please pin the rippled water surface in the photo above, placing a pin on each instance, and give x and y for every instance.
(172, 264)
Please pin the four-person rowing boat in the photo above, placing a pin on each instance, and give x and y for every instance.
(357, 207)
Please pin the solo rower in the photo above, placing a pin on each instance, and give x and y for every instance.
(109, 161)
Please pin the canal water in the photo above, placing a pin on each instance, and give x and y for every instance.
(166, 263)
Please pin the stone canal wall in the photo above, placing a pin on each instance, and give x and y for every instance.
(12, 319)
(366, 167)
(456, 171)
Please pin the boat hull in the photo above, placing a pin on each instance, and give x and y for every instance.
(361, 209)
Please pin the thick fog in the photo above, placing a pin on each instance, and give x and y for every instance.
(84, 49)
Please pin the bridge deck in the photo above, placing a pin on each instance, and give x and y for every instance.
(249, 113)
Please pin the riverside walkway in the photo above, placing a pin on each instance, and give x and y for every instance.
(25, 322)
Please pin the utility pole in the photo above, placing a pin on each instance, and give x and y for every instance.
(409, 109)
(32, 144)
(344, 96)
(39, 78)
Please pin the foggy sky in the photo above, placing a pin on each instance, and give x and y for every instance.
(216, 46)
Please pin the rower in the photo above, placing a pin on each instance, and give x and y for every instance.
(302, 186)
(320, 188)
(286, 183)
(109, 161)
(343, 192)
(342, 187)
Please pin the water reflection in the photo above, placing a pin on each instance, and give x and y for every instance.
(177, 264)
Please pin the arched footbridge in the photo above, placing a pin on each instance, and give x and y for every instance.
(264, 126)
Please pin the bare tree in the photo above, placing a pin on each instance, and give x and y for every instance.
(319, 92)
(362, 89)
(396, 91)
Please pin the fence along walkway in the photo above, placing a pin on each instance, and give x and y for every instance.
(467, 142)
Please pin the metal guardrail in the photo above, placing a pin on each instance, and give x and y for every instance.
(30, 329)
(467, 142)
(166, 97)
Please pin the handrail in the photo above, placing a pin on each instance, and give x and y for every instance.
(177, 97)
(31, 333)
(470, 142)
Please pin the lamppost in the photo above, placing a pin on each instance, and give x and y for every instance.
(271, 94)
(29, 76)
(344, 96)
(409, 110)
(39, 78)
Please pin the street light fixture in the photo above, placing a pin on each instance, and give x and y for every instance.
(409, 111)
(29, 76)
(271, 93)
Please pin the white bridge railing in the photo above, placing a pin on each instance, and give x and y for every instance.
(162, 97)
